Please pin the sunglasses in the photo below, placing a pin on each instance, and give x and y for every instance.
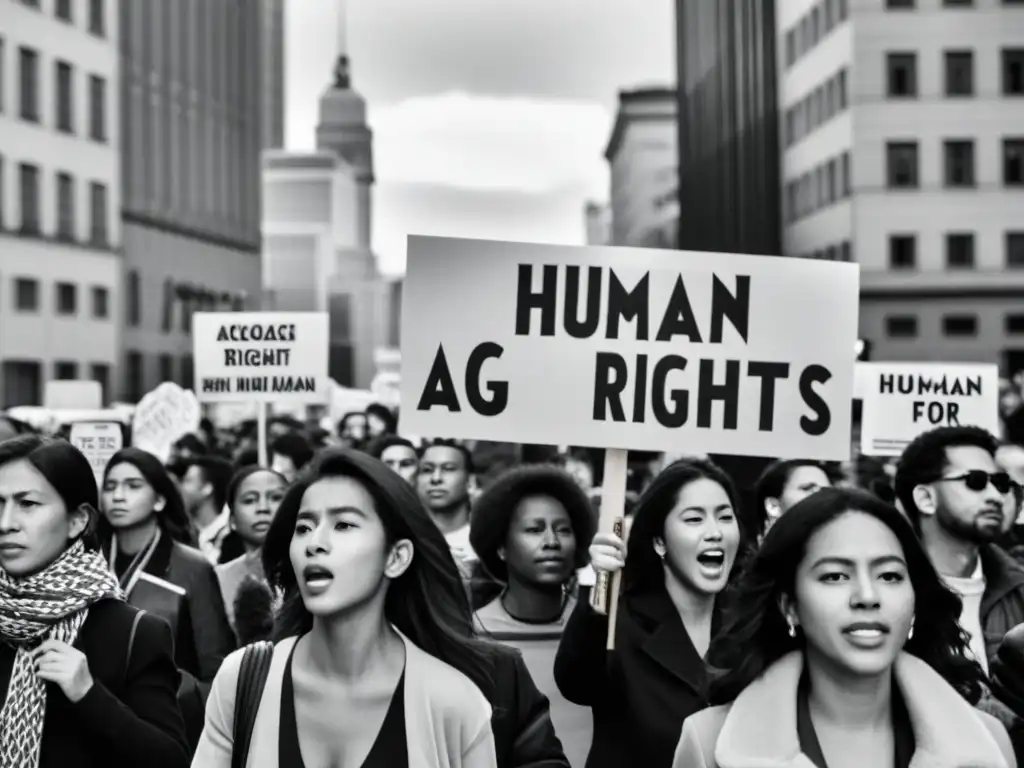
(978, 479)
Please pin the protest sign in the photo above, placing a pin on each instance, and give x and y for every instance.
(98, 441)
(266, 357)
(163, 417)
(628, 348)
(902, 400)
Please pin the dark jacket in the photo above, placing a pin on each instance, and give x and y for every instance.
(641, 692)
(1002, 605)
(1006, 672)
(130, 716)
(521, 721)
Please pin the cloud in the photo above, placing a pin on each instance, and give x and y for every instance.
(480, 142)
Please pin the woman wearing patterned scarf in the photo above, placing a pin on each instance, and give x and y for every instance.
(85, 679)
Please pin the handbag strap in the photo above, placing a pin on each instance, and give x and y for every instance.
(252, 678)
(131, 644)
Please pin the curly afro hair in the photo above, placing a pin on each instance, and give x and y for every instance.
(493, 510)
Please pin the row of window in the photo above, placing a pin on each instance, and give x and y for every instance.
(818, 188)
(958, 168)
(953, 326)
(813, 27)
(27, 298)
(901, 80)
(96, 24)
(960, 250)
(817, 108)
(29, 101)
(135, 373)
(840, 252)
(898, 5)
(23, 379)
(187, 298)
(30, 206)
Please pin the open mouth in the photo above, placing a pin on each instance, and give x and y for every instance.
(315, 575)
(712, 558)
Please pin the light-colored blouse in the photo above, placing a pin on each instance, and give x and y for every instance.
(447, 718)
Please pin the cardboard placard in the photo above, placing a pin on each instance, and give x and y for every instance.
(98, 441)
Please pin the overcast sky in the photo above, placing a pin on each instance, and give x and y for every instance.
(490, 117)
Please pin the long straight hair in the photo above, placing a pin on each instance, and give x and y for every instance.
(428, 603)
(172, 519)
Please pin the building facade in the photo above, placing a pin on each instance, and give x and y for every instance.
(643, 162)
(597, 223)
(903, 128)
(60, 196)
(201, 83)
(728, 126)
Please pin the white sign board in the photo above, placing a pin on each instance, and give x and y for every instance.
(630, 348)
(267, 357)
(98, 441)
(163, 417)
(902, 400)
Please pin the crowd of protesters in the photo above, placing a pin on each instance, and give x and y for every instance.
(428, 601)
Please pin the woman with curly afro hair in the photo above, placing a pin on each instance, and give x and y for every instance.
(531, 529)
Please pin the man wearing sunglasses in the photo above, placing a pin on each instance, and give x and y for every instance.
(956, 496)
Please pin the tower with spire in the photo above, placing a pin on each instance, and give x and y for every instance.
(343, 130)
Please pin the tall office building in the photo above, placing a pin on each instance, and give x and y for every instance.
(643, 161)
(201, 86)
(903, 131)
(728, 126)
(60, 232)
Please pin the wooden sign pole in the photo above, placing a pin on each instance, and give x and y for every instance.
(261, 434)
(604, 598)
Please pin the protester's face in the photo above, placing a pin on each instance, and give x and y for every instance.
(976, 516)
(853, 598)
(195, 490)
(443, 479)
(256, 501)
(540, 547)
(1010, 459)
(355, 428)
(284, 465)
(128, 499)
(802, 482)
(339, 549)
(375, 425)
(701, 537)
(35, 527)
(402, 460)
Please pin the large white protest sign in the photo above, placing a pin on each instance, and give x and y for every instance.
(265, 357)
(629, 348)
(902, 400)
(163, 417)
(98, 441)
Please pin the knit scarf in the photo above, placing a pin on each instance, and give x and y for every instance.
(49, 605)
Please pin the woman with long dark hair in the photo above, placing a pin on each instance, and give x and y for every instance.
(843, 644)
(85, 679)
(683, 543)
(782, 484)
(375, 657)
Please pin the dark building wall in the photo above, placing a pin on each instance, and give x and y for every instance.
(729, 154)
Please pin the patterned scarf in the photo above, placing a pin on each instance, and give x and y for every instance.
(49, 605)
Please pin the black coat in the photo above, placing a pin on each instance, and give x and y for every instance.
(641, 692)
(130, 716)
(524, 736)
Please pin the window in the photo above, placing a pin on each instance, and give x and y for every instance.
(63, 10)
(1015, 324)
(100, 302)
(831, 99)
(1015, 249)
(133, 301)
(842, 10)
(960, 250)
(959, 164)
(820, 187)
(902, 74)
(28, 188)
(97, 108)
(954, 3)
(828, 15)
(188, 372)
(100, 372)
(833, 187)
(98, 218)
(845, 174)
(65, 370)
(28, 73)
(1013, 162)
(960, 325)
(26, 294)
(134, 376)
(97, 24)
(1013, 71)
(818, 106)
(845, 252)
(896, 4)
(901, 326)
(901, 158)
(67, 298)
(65, 98)
(841, 89)
(166, 368)
(959, 73)
(790, 48)
(902, 251)
(816, 33)
(65, 207)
